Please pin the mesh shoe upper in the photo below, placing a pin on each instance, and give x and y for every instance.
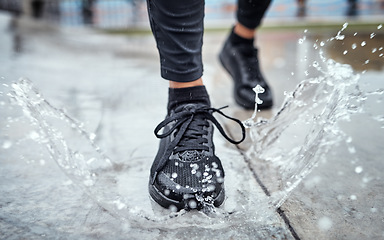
(186, 164)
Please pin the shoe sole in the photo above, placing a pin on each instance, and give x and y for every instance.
(189, 203)
(244, 103)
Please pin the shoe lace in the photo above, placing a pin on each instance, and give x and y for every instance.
(189, 131)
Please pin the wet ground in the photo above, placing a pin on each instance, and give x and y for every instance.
(76, 140)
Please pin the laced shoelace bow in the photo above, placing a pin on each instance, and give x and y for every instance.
(187, 137)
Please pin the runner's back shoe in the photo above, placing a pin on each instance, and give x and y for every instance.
(242, 63)
(186, 173)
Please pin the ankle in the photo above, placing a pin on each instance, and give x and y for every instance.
(238, 40)
(182, 96)
(198, 82)
(244, 32)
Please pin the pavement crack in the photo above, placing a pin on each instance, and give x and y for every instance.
(287, 223)
(279, 211)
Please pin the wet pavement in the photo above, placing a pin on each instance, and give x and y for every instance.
(100, 81)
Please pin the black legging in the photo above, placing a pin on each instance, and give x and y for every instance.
(178, 27)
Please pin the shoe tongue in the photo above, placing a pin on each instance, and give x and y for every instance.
(191, 156)
(189, 107)
(182, 96)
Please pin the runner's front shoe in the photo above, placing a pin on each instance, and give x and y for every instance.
(242, 63)
(186, 173)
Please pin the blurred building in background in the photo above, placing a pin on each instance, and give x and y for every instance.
(122, 14)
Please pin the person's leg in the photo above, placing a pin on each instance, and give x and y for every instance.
(186, 172)
(240, 58)
(250, 13)
(178, 29)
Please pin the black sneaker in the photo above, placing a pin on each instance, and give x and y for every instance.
(186, 173)
(241, 62)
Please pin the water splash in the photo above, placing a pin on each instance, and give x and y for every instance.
(122, 189)
(316, 106)
(307, 127)
(251, 121)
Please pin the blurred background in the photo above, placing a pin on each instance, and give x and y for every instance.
(123, 14)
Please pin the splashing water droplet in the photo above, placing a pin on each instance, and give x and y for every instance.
(338, 35)
(7, 144)
(92, 136)
(34, 135)
(345, 52)
(301, 40)
(374, 50)
(250, 122)
(354, 46)
(192, 204)
(352, 149)
(88, 182)
(355, 34)
(372, 35)
(322, 43)
(380, 26)
(359, 169)
(366, 61)
(325, 223)
(258, 89)
(91, 160)
(119, 205)
(315, 64)
(363, 43)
